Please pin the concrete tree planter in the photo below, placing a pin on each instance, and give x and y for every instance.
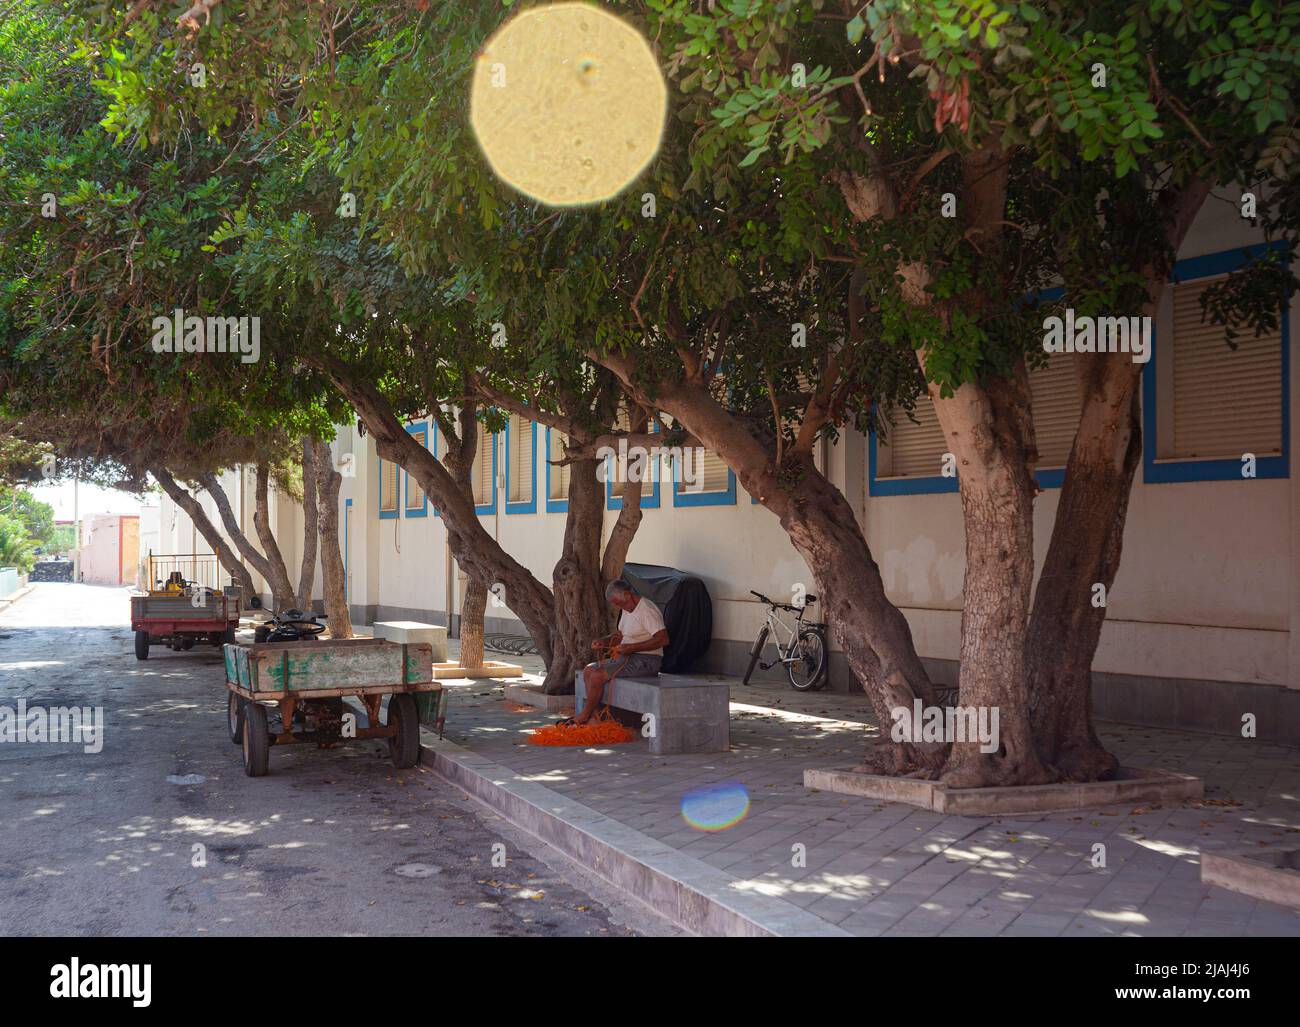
(1270, 875)
(1130, 785)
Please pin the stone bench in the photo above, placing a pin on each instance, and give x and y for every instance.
(413, 631)
(690, 714)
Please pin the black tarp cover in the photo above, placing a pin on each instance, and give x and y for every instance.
(684, 601)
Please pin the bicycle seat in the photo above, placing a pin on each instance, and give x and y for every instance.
(809, 600)
(292, 615)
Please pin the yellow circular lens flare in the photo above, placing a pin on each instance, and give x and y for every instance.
(568, 104)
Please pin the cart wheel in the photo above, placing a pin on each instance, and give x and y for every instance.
(404, 743)
(257, 740)
(229, 637)
(235, 717)
(142, 645)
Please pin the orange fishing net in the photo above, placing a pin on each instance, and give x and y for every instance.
(602, 729)
(595, 732)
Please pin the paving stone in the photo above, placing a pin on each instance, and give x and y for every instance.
(870, 867)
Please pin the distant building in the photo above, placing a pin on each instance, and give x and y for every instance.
(110, 552)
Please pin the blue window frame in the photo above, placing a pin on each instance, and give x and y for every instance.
(1158, 472)
(649, 501)
(553, 505)
(489, 507)
(421, 431)
(530, 505)
(724, 497)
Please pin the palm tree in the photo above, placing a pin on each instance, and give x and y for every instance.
(16, 548)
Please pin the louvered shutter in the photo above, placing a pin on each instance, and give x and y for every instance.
(916, 450)
(715, 477)
(1226, 402)
(521, 459)
(388, 501)
(482, 471)
(1054, 392)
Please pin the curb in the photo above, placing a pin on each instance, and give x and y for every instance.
(9, 600)
(689, 892)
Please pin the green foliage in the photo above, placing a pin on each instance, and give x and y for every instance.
(17, 549)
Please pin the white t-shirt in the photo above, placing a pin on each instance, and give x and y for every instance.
(642, 624)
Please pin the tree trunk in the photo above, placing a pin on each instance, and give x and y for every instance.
(580, 609)
(276, 576)
(333, 585)
(473, 607)
(872, 632)
(310, 526)
(182, 498)
(620, 538)
(477, 552)
(262, 524)
(990, 432)
(1088, 536)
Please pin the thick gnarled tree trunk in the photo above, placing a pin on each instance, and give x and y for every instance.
(310, 526)
(332, 571)
(576, 582)
(991, 434)
(1088, 535)
(473, 609)
(281, 587)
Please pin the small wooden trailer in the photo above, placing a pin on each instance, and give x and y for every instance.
(308, 681)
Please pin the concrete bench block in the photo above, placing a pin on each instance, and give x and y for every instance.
(690, 714)
(413, 631)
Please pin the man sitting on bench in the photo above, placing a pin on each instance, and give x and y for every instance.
(635, 649)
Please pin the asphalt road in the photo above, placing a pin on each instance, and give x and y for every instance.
(161, 833)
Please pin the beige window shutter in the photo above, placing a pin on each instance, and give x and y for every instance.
(715, 477)
(521, 459)
(1226, 402)
(1054, 392)
(481, 473)
(414, 493)
(915, 450)
(389, 501)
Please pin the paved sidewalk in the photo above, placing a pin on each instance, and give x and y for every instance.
(876, 868)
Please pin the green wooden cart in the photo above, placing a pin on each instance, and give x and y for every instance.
(308, 680)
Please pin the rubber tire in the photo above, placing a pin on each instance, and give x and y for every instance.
(404, 745)
(756, 652)
(142, 645)
(229, 637)
(257, 740)
(261, 633)
(235, 718)
(814, 683)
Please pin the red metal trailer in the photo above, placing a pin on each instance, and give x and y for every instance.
(183, 613)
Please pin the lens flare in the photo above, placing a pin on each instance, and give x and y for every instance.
(568, 103)
(715, 807)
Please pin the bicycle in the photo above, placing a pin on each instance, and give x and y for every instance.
(804, 652)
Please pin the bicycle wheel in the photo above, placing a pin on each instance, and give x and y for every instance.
(809, 661)
(756, 652)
